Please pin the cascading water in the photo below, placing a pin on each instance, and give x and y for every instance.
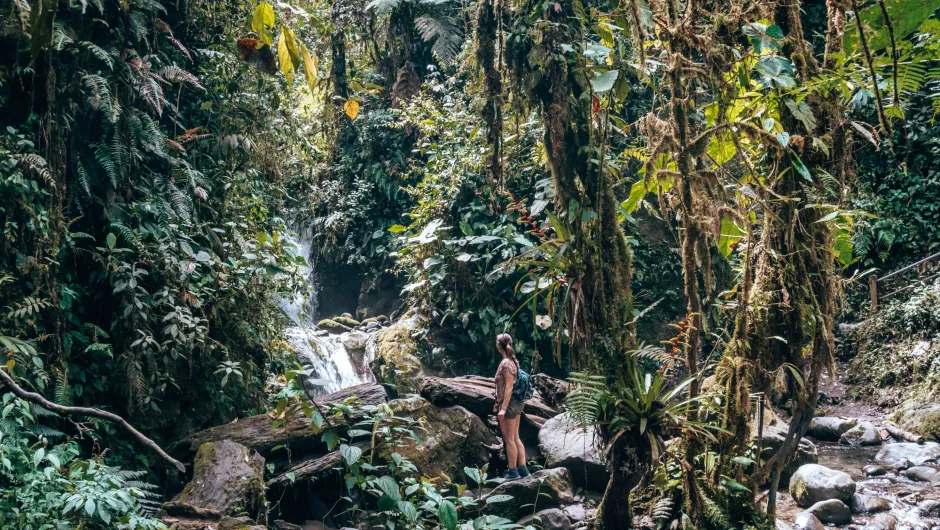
(335, 361)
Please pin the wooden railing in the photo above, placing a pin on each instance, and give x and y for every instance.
(898, 282)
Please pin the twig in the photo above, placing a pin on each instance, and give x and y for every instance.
(33, 397)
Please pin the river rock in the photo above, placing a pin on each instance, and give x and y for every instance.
(882, 521)
(332, 326)
(476, 394)
(874, 470)
(548, 488)
(929, 508)
(355, 341)
(832, 511)
(829, 428)
(868, 504)
(237, 523)
(395, 360)
(862, 434)
(922, 473)
(578, 513)
(228, 479)
(453, 438)
(565, 444)
(917, 454)
(807, 521)
(813, 483)
(550, 519)
(919, 418)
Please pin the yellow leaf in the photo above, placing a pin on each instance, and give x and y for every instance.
(263, 22)
(310, 68)
(292, 47)
(10, 364)
(283, 56)
(352, 108)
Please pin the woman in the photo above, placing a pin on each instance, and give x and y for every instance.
(509, 408)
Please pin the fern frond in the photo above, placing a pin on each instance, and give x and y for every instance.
(445, 33)
(583, 400)
(100, 53)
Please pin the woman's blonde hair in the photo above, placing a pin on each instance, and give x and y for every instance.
(504, 343)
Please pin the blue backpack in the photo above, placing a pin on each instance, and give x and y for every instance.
(523, 389)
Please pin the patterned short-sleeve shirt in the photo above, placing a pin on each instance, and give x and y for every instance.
(506, 372)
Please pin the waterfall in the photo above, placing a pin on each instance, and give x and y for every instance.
(336, 361)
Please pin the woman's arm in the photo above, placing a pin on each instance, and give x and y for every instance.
(507, 395)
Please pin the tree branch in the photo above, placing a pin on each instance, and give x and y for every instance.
(33, 397)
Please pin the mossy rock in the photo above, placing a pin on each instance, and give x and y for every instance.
(227, 478)
(919, 418)
(396, 360)
(368, 321)
(346, 320)
(239, 523)
(332, 326)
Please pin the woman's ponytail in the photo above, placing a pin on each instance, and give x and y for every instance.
(504, 341)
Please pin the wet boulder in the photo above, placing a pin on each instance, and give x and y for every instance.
(929, 508)
(807, 521)
(922, 473)
(868, 504)
(454, 438)
(862, 434)
(228, 480)
(882, 521)
(832, 511)
(476, 394)
(874, 470)
(829, 428)
(564, 444)
(550, 519)
(917, 454)
(550, 488)
(813, 483)
(774, 432)
(355, 341)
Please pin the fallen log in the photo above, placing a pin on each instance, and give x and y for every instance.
(258, 432)
(476, 394)
(904, 435)
(312, 469)
(33, 397)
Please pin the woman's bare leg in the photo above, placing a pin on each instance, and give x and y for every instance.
(505, 427)
(520, 449)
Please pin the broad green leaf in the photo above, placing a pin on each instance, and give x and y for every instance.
(498, 498)
(408, 510)
(351, 453)
(802, 112)
(721, 147)
(447, 513)
(800, 166)
(395, 229)
(111, 240)
(637, 192)
(906, 16)
(605, 81)
(730, 235)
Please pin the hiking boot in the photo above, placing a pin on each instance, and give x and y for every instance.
(511, 474)
(523, 471)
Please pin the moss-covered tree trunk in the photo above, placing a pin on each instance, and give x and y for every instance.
(486, 53)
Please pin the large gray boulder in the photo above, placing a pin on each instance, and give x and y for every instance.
(395, 356)
(228, 480)
(917, 454)
(774, 432)
(813, 483)
(929, 508)
(549, 488)
(564, 444)
(832, 511)
(453, 438)
(863, 434)
(829, 428)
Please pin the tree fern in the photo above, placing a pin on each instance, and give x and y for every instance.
(583, 400)
(445, 34)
